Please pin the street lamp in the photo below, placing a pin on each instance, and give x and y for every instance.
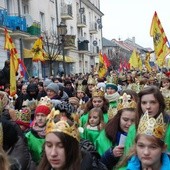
(62, 31)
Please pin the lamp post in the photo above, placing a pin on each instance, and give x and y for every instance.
(62, 31)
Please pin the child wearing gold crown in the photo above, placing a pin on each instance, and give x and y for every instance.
(110, 142)
(97, 101)
(35, 137)
(94, 125)
(152, 101)
(149, 151)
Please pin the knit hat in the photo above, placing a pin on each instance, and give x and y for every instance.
(113, 86)
(46, 83)
(42, 109)
(53, 86)
(65, 107)
(74, 100)
(111, 82)
(24, 117)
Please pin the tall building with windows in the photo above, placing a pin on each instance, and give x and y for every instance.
(27, 20)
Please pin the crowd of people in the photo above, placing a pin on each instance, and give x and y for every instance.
(84, 122)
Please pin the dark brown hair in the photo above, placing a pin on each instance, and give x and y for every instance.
(72, 152)
(158, 96)
(113, 126)
(89, 105)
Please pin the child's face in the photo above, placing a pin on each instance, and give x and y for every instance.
(94, 119)
(149, 153)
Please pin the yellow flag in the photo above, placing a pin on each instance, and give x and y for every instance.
(134, 60)
(146, 62)
(161, 59)
(140, 66)
(159, 39)
(102, 70)
(14, 64)
(37, 50)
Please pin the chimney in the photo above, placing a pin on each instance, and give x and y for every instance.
(133, 40)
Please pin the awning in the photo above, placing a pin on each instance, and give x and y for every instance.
(68, 59)
(28, 54)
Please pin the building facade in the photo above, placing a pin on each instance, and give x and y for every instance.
(27, 20)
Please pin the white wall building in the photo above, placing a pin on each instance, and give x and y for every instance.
(84, 31)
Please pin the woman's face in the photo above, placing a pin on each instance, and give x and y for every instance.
(110, 90)
(51, 93)
(40, 119)
(148, 152)
(55, 151)
(127, 119)
(80, 95)
(94, 119)
(90, 87)
(97, 102)
(150, 103)
(166, 84)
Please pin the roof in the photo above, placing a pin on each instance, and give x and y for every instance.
(108, 43)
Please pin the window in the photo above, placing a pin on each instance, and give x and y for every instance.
(52, 24)
(42, 21)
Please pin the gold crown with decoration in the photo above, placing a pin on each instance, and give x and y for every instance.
(45, 101)
(151, 126)
(97, 92)
(58, 123)
(91, 80)
(112, 79)
(125, 101)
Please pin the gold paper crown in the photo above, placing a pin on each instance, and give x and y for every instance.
(91, 80)
(80, 88)
(112, 80)
(152, 126)
(45, 101)
(125, 101)
(97, 92)
(58, 123)
(24, 115)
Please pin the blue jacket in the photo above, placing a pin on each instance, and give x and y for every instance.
(134, 163)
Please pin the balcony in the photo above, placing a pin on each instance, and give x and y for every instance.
(66, 12)
(81, 21)
(3, 15)
(16, 23)
(83, 46)
(93, 28)
(34, 29)
(69, 42)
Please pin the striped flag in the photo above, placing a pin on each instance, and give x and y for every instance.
(22, 68)
(9, 45)
(160, 40)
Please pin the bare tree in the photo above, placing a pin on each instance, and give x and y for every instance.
(52, 47)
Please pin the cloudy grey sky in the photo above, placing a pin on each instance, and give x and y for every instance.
(132, 18)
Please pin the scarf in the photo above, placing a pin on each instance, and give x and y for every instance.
(112, 97)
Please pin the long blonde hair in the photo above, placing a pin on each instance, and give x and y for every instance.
(132, 151)
(4, 162)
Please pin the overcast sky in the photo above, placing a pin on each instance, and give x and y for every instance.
(132, 18)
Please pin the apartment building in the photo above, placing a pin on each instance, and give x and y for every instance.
(27, 20)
